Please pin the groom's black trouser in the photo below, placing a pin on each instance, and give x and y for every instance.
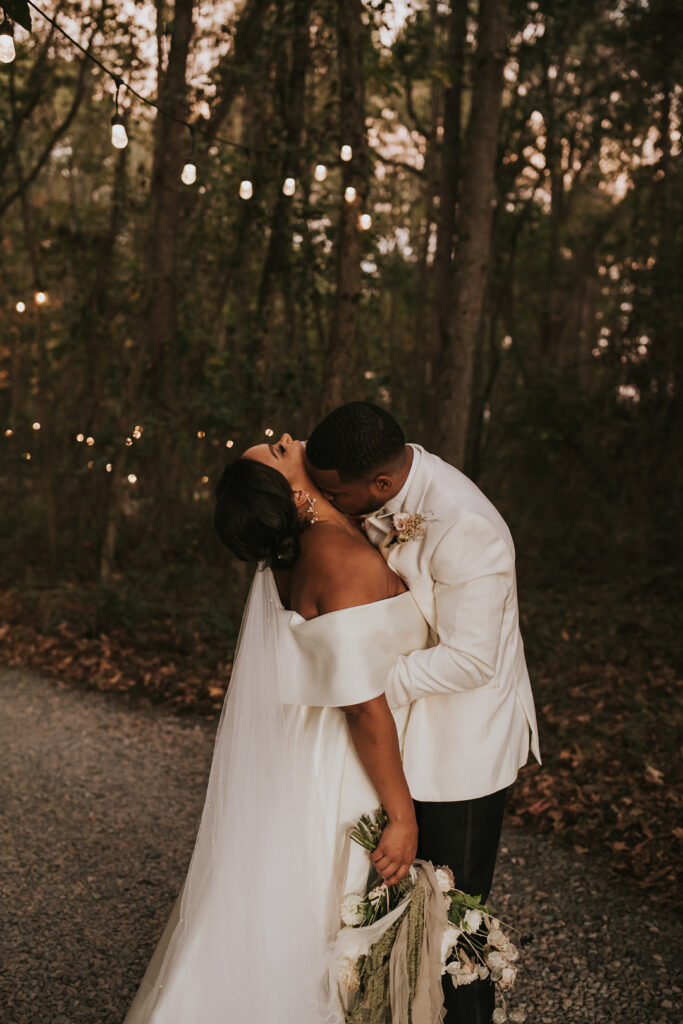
(464, 835)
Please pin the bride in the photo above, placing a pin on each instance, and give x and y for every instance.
(306, 743)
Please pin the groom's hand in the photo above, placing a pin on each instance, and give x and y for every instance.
(396, 851)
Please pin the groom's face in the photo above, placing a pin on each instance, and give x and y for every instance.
(353, 497)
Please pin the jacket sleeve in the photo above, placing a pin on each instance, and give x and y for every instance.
(473, 570)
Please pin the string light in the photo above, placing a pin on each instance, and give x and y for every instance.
(346, 154)
(90, 441)
(109, 467)
(129, 441)
(269, 432)
(229, 444)
(320, 172)
(205, 479)
(80, 437)
(365, 221)
(289, 187)
(90, 464)
(201, 433)
(132, 479)
(36, 425)
(119, 136)
(41, 298)
(246, 189)
(7, 50)
(27, 456)
(20, 307)
(9, 432)
(350, 194)
(137, 433)
(189, 174)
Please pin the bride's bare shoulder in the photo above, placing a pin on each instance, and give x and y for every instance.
(343, 569)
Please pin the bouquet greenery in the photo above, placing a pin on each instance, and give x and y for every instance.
(474, 944)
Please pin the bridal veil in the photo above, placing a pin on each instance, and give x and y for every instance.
(246, 938)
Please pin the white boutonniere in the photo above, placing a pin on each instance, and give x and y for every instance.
(406, 526)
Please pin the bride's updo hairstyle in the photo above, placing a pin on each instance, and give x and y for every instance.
(255, 515)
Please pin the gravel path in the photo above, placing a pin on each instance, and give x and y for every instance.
(99, 808)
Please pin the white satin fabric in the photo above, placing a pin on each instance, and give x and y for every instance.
(250, 936)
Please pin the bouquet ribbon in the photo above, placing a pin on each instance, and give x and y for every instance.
(404, 948)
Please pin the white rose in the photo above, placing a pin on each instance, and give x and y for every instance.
(351, 910)
(444, 877)
(473, 920)
(497, 939)
(496, 959)
(449, 941)
(507, 978)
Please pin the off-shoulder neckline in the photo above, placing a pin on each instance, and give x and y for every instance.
(338, 611)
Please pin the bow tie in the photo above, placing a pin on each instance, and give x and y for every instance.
(380, 520)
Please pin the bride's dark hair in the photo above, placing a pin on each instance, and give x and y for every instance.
(255, 514)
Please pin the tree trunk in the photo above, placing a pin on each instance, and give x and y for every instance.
(170, 147)
(478, 196)
(344, 326)
(448, 197)
(290, 84)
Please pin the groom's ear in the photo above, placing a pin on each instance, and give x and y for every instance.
(383, 483)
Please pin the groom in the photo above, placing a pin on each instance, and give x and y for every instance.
(472, 717)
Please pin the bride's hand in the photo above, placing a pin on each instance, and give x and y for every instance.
(396, 851)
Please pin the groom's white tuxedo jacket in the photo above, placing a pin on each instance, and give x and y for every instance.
(472, 716)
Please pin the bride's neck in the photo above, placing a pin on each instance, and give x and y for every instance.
(326, 512)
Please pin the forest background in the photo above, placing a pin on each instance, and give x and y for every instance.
(498, 263)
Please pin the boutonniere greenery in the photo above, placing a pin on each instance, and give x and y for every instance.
(407, 526)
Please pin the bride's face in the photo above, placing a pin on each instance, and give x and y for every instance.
(285, 455)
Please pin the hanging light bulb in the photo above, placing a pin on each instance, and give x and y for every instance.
(189, 174)
(80, 437)
(269, 431)
(109, 467)
(119, 138)
(320, 172)
(41, 298)
(20, 307)
(229, 444)
(132, 479)
(365, 221)
(7, 51)
(9, 432)
(350, 194)
(90, 441)
(289, 187)
(27, 456)
(36, 425)
(246, 189)
(346, 154)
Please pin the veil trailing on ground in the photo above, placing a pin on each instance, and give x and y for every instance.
(246, 938)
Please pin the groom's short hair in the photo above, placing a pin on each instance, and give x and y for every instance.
(358, 440)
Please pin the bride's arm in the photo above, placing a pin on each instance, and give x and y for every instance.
(373, 731)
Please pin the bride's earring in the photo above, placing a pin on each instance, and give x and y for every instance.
(310, 510)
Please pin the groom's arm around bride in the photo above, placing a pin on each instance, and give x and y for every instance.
(472, 719)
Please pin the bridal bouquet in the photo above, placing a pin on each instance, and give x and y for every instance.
(415, 931)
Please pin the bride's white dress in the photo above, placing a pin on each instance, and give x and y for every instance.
(248, 940)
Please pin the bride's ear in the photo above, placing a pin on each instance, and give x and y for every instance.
(300, 500)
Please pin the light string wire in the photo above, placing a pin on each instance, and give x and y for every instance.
(118, 81)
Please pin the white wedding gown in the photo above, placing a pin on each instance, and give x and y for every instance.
(249, 938)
